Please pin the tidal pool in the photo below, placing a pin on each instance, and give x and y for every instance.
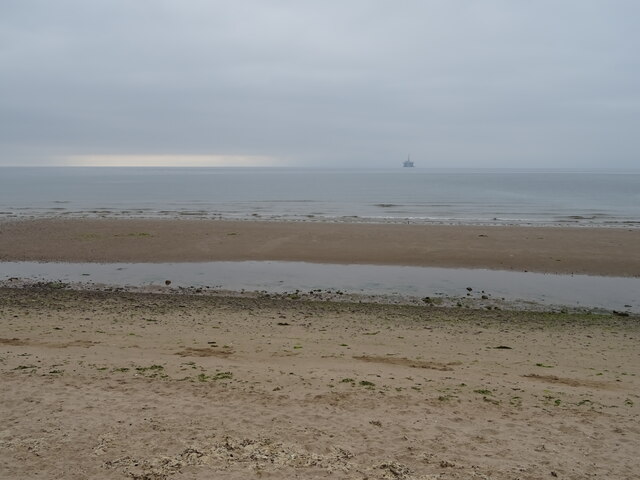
(574, 291)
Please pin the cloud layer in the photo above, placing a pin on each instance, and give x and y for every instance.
(362, 82)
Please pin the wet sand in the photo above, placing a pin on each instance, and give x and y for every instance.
(121, 385)
(595, 251)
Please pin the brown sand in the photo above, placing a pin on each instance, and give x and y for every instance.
(142, 386)
(597, 251)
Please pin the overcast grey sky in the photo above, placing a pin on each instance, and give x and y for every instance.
(457, 83)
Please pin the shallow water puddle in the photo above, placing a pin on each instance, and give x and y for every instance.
(583, 291)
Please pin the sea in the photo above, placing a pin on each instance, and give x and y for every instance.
(592, 198)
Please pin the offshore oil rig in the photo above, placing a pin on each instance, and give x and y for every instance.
(408, 163)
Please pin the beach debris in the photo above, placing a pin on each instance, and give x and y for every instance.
(398, 470)
(167, 282)
(543, 365)
(483, 391)
(621, 314)
(431, 301)
(257, 453)
(469, 289)
(502, 347)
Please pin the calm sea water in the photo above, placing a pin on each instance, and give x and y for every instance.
(581, 198)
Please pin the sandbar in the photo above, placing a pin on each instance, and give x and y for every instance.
(593, 251)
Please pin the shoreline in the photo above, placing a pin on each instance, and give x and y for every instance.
(560, 250)
(185, 216)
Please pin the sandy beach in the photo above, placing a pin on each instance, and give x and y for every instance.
(595, 251)
(120, 385)
(114, 384)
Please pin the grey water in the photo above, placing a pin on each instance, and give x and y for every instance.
(510, 288)
(413, 195)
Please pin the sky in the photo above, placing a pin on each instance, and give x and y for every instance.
(355, 83)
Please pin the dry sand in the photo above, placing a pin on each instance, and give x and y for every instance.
(119, 385)
(597, 251)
